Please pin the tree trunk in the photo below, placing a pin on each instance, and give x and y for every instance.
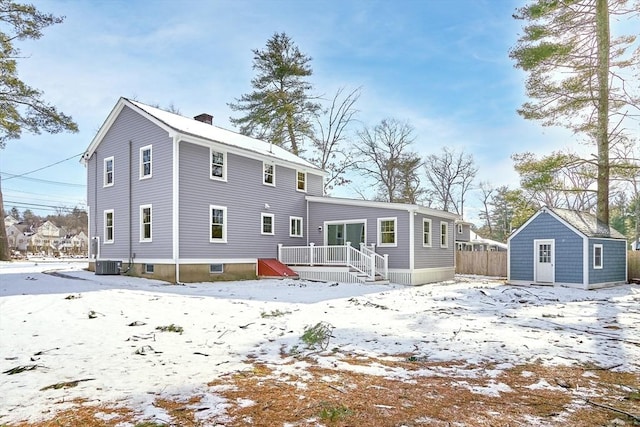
(4, 242)
(602, 131)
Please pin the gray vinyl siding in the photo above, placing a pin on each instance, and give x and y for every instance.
(568, 250)
(130, 126)
(614, 255)
(434, 256)
(315, 185)
(245, 197)
(465, 236)
(321, 212)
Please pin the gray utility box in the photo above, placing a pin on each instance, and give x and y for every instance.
(104, 267)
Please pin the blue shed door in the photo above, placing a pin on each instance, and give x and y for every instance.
(544, 262)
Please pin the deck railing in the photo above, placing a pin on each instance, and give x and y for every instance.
(365, 261)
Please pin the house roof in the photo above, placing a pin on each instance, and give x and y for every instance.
(191, 127)
(584, 223)
(587, 223)
(474, 238)
(383, 205)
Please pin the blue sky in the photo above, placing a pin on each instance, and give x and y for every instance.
(440, 65)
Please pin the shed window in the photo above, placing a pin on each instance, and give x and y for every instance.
(597, 256)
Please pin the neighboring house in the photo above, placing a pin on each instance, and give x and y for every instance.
(10, 220)
(46, 239)
(468, 240)
(79, 244)
(182, 200)
(18, 236)
(463, 234)
(563, 247)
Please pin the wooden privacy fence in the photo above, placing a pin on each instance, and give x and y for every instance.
(482, 263)
(492, 263)
(633, 265)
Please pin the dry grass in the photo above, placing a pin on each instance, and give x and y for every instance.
(258, 396)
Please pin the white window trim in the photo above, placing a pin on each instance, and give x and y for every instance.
(303, 190)
(142, 149)
(296, 218)
(216, 272)
(428, 244)
(459, 228)
(224, 165)
(273, 223)
(113, 226)
(273, 166)
(142, 238)
(395, 232)
(113, 172)
(148, 270)
(601, 266)
(225, 219)
(446, 241)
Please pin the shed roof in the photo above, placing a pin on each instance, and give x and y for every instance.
(586, 223)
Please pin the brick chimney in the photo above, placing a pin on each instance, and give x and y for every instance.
(204, 118)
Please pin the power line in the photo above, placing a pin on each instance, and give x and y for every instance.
(44, 167)
(35, 204)
(45, 181)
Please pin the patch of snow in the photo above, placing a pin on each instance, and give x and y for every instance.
(45, 320)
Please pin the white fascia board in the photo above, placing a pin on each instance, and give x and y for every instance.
(585, 261)
(97, 139)
(382, 205)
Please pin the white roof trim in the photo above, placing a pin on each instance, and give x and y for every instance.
(549, 211)
(191, 130)
(383, 205)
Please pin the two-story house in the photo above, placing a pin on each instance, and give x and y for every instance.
(182, 200)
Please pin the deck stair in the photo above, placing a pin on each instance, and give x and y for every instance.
(364, 265)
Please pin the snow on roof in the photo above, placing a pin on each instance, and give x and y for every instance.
(474, 238)
(213, 133)
(587, 223)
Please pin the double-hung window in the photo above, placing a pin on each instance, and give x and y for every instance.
(268, 174)
(108, 171)
(108, 226)
(145, 223)
(267, 223)
(426, 232)
(145, 162)
(444, 234)
(597, 256)
(295, 227)
(387, 232)
(218, 224)
(301, 181)
(218, 165)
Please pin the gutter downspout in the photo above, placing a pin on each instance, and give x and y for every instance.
(412, 249)
(175, 205)
(129, 209)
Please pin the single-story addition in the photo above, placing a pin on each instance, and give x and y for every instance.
(567, 248)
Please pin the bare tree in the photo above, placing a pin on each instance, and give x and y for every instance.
(383, 153)
(450, 176)
(486, 191)
(329, 150)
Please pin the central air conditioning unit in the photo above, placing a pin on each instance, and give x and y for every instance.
(104, 267)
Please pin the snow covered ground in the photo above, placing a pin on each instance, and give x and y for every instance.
(66, 324)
